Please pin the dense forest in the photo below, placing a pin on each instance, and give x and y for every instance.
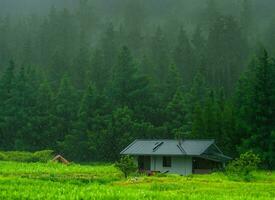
(85, 78)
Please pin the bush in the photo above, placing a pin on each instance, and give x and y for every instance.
(21, 156)
(127, 165)
(3, 156)
(243, 166)
(43, 156)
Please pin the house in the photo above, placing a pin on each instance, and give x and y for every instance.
(177, 156)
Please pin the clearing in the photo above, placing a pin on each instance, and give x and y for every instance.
(56, 181)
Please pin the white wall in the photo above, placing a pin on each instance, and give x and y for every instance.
(179, 165)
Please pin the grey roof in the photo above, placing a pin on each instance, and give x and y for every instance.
(168, 147)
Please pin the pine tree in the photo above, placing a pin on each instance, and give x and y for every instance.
(173, 83)
(134, 20)
(109, 48)
(270, 36)
(256, 97)
(7, 85)
(23, 100)
(199, 49)
(224, 63)
(42, 123)
(81, 64)
(159, 54)
(198, 126)
(176, 116)
(120, 133)
(5, 28)
(184, 58)
(64, 111)
(100, 73)
(87, 131)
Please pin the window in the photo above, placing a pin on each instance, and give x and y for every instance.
(166, 161)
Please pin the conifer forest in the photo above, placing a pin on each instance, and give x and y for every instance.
(87, 77)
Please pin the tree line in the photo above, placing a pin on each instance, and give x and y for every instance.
(87, 99)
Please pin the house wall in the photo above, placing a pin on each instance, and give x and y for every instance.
(179, 165)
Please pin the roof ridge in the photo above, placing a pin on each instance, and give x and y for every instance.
(128, 146)
(213, 142)
(175, 140)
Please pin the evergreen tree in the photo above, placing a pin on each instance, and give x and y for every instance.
(120, 133)
(176, 116)
(159, 55)
(42, 122)
(5, 28)
(184, 58)
(86, 134)
(224, 63)
(128, 87)
(23, 100)
(100, 72)
(270, 36)
(134, 20)
(81, 64)
(7, 85)
(173, 83)
(199, 49)
(256, 97)
(109, 46)
(64, 111)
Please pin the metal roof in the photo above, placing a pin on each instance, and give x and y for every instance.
(168, 147)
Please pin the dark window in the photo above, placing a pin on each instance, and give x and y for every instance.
(166, 161)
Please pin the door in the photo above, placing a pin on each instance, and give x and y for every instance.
(144, 163)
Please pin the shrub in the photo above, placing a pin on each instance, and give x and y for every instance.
(3, 156)
(19, 156)
(243, 166)
(43, 156)
(22, 156)
(127, 165)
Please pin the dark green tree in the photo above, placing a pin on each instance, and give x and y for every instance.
(159, 53)
(120, 133)
(86, 134)
(184, 57)
(176, 116)
(256, 108)
(224, 63)
(100, 72)
(7, 85)
(42, 122)
(65, 109)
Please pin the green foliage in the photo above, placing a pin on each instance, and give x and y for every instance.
(244, 166)
(3, 156)
(256, 110)
(20, 156)
(86, 88)
(104, 181)
(127, 165)
(43, 156)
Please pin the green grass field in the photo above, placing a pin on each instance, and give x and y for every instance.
(56, 181)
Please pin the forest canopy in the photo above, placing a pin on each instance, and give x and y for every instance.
(85, 78)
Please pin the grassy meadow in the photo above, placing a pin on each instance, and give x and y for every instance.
(56, 181)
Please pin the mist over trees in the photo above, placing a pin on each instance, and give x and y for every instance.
(87, 77)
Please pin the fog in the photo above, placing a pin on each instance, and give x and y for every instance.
(85, 73)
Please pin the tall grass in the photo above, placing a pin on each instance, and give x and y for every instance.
(56, 181)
